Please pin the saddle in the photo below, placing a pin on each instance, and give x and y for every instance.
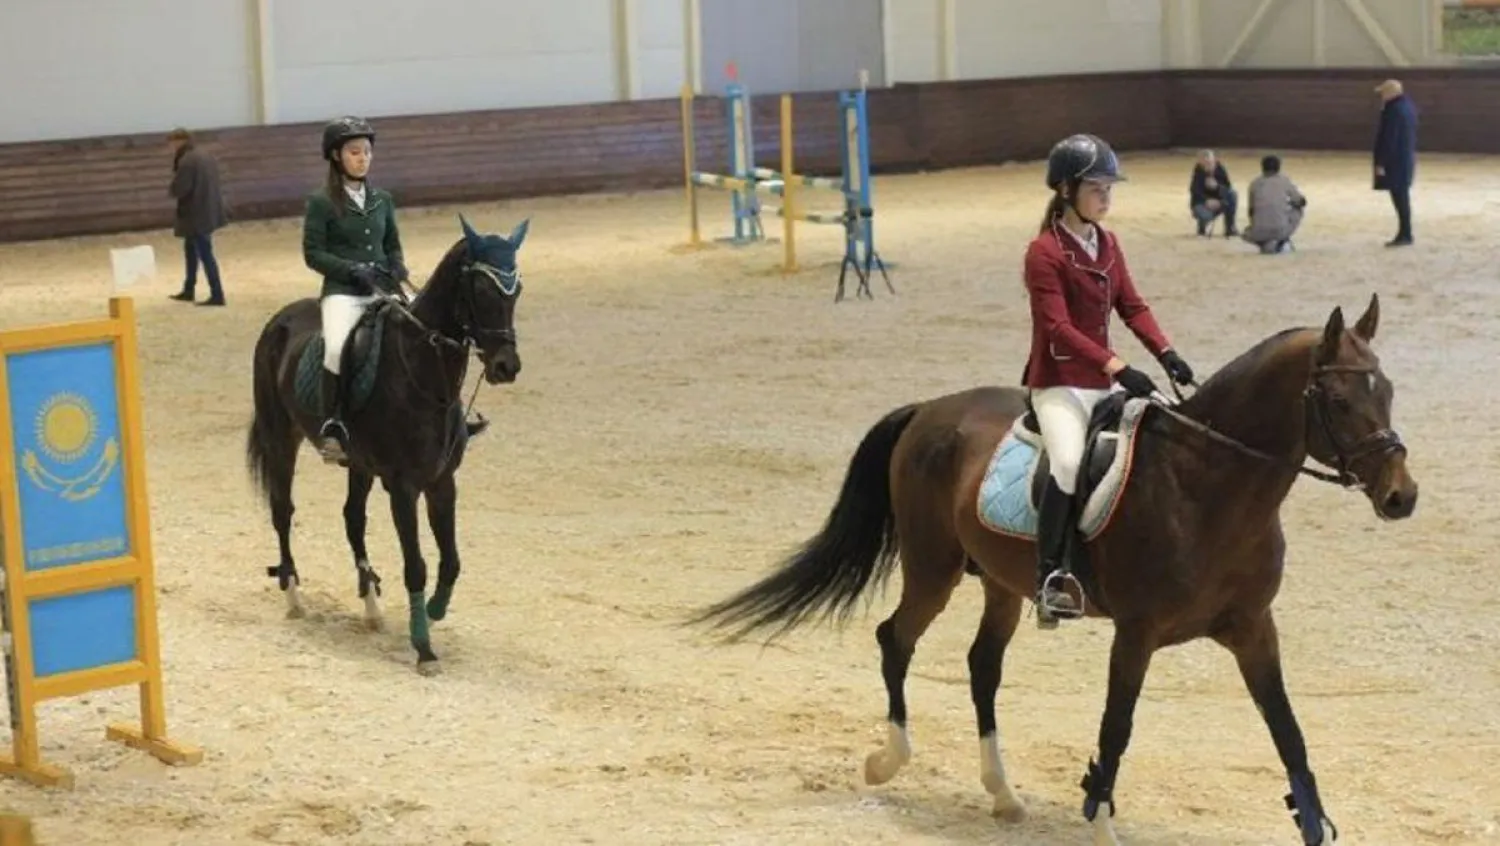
(1011, 490)
(359, 362)
(1100, 448)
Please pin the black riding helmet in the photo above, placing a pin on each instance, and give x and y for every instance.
(339, 132)
(1082, 157)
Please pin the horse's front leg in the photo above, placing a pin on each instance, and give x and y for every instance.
(442, 516)
(1257, 650)
(355, 518)
(404, 513)
(1129, 658)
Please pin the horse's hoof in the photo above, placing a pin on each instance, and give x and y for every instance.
(296, 612)
(1011, 813)
(374, 624)
(429, 668)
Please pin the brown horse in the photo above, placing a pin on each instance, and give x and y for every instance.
(1194, 547)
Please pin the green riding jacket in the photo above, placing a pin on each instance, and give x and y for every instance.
(334, 244)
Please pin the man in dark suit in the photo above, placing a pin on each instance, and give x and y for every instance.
(200, 211)
(1396, 154)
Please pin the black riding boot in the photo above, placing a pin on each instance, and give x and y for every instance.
(333, 435)
(1055, 518)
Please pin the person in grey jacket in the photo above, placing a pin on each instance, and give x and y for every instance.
(200, 212)
(1275, 208)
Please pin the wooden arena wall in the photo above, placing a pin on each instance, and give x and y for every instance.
(118, 183)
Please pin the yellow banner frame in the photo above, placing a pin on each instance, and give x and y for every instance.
(136, 568)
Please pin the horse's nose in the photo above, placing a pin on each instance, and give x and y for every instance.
(1399, 503)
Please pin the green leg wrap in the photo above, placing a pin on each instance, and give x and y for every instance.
(437, 607)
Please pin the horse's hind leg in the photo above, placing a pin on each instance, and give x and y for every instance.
(1257, 650)
(1002, 612)
(279, 491)
(931, 567)
(442, 507)
(355, 503)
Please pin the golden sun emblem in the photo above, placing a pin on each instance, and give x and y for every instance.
(65, 427)
(67, 431)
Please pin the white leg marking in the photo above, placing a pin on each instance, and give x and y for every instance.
(883, 764)
(1104, 828)
(1008, 806)
(295, 610)
(374, 619)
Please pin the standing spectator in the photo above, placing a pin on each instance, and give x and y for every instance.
(1275, 208)
(200, 211)
(1210, 194)
(1396, 154)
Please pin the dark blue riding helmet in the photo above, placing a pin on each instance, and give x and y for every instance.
(1082, 157)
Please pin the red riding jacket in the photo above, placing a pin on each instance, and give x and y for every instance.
(1072, 296)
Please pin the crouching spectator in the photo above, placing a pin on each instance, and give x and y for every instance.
(1210, 194)
(1275, 208)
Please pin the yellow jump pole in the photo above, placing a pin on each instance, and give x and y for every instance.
(788, 188)
(688, 163)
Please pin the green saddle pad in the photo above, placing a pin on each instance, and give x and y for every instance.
(363, 359)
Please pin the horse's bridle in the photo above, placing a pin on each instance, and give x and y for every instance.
(1381, 442)
(509, 283)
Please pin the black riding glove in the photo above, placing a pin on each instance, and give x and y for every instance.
(398, 270)
(366, 274)
(1176, 367)
(1135, 383)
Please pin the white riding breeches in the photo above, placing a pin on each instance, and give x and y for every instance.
(1062, 413)
(340, 313)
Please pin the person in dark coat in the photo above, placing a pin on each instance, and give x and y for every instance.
(200, 212)
(1210, 194)
(1396, 154)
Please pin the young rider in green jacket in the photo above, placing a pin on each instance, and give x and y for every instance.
(349, 236)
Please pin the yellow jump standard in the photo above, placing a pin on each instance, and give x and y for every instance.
(79, 609)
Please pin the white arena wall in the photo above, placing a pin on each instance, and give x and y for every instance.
(80, 68)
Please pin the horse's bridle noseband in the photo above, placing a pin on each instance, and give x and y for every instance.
(1381, 442)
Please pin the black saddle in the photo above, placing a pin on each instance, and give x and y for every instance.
(1098, 453)
(360, 341)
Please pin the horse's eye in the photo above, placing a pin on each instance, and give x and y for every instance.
(1340, 402)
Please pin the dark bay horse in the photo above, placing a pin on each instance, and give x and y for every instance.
(406, 421)
(1194, 549)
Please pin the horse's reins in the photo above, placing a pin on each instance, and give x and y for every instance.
(1384, 440)
(508, 282)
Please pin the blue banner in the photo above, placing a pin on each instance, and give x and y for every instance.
(69, 455)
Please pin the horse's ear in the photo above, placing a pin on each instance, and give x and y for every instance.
(470, 236)
(518, 234)
(1369, 321)
(1333, 335)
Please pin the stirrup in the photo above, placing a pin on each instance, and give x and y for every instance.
(331, 439)
(1054, 603)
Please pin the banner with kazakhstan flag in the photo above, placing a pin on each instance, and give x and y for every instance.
(79, 593)
(66, 430)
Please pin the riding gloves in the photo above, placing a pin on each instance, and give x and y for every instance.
(365, 274)
(398, 271)
(1176, 368)
(1135, 383)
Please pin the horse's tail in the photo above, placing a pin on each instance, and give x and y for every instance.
(857, 545)
(268, 434)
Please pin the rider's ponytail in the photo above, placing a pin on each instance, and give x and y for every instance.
(1055, 208)
(334, 188)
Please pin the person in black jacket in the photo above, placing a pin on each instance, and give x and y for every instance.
(1396, 155)
(200, 212)
(1211, 194)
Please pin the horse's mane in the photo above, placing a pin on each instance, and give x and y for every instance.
(446, 266)
(1231, 376)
